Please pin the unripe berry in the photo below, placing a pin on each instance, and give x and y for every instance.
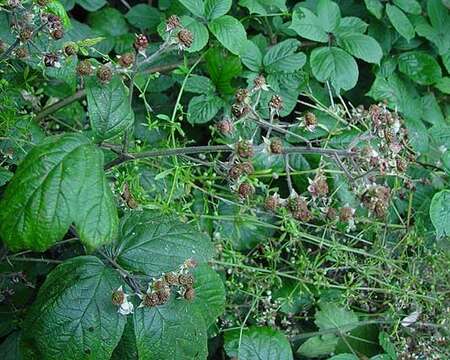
(225, 126)
(57, 34)
(237, 170)
(104, 74)
(242, 96)
(151, 299)
(245, 190)
(126, 60)
(240, 110)
(84, 68)
(272, 203)
(50, 59)
(276, 103)
(141, 42)
(171, 278)
(189, 294)
(244, 149)
(186, 280)
(26, 34)
(276, 146)
(70, 49)
(163, 295)
(185, 38)
(118, 297)
(172, 23)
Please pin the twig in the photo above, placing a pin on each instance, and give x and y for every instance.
(288, 174)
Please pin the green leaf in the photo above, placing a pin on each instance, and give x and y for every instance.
(11, 348)
(73, 316)
(60, 181)
(283, 57)
(443, 85)
(409, 6)
(216, 8)
(400, 21)
(331, 316)
(109, 108)
(307, 25)
(351, 24)
(210, 293)
(91, 5)
(199, 84)
(230, 33)
(262, 343)
(222, 68)
(196, 7)
(203, 108)
(334, 65)
(251, 56)
(108, 21)
(173, 331)
(144, 17)
(5, 176)
(361, 46)
(420, 67)
(318, 346)
(329, 15)
(154, 243)
(440, 213)
(432, 112)
(417, 134)
(375, 7)
(198, 30)
(387, 345)
(263, 7)
(344, 357)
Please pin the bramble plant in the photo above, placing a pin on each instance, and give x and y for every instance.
(208, 179)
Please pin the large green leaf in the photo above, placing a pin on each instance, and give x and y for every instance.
(283, 57)
(230, 33)
(144, 16)
(420, 67)
(332, 316)
(216, 8)
(5, 176)
(59, 182)
(263, 7)
(400, 21)
(109, 108)
(222, 67)
(318, 346)
(361, 46)
(108, 21)
(409, 6)
(203, 108)
(261, 343)
(329, 15)
(375, 7)
(73, 316)
(306, 24)
(91, 5)
(334, 65)
(210, 293)
(440, 212)
(154, 243)
(198, 30)
(197, 7)
(251, 56)
(351, 24)
(173, 331)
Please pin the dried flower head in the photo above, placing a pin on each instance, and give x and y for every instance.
(239, 110)
(190, 263)
(346, 214)
(319, 186)
(185, 39)
(172, 23)
(163, 295)
(120, 299)
(126, 60)
(171, 278)
(118, 296)
(237, 170)
(26, 34)
(376, 200)
(21, 53)
(150, 299)
(244, 149)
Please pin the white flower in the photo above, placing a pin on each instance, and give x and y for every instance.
(126, 308)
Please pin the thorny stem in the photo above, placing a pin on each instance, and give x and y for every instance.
(217, 148)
